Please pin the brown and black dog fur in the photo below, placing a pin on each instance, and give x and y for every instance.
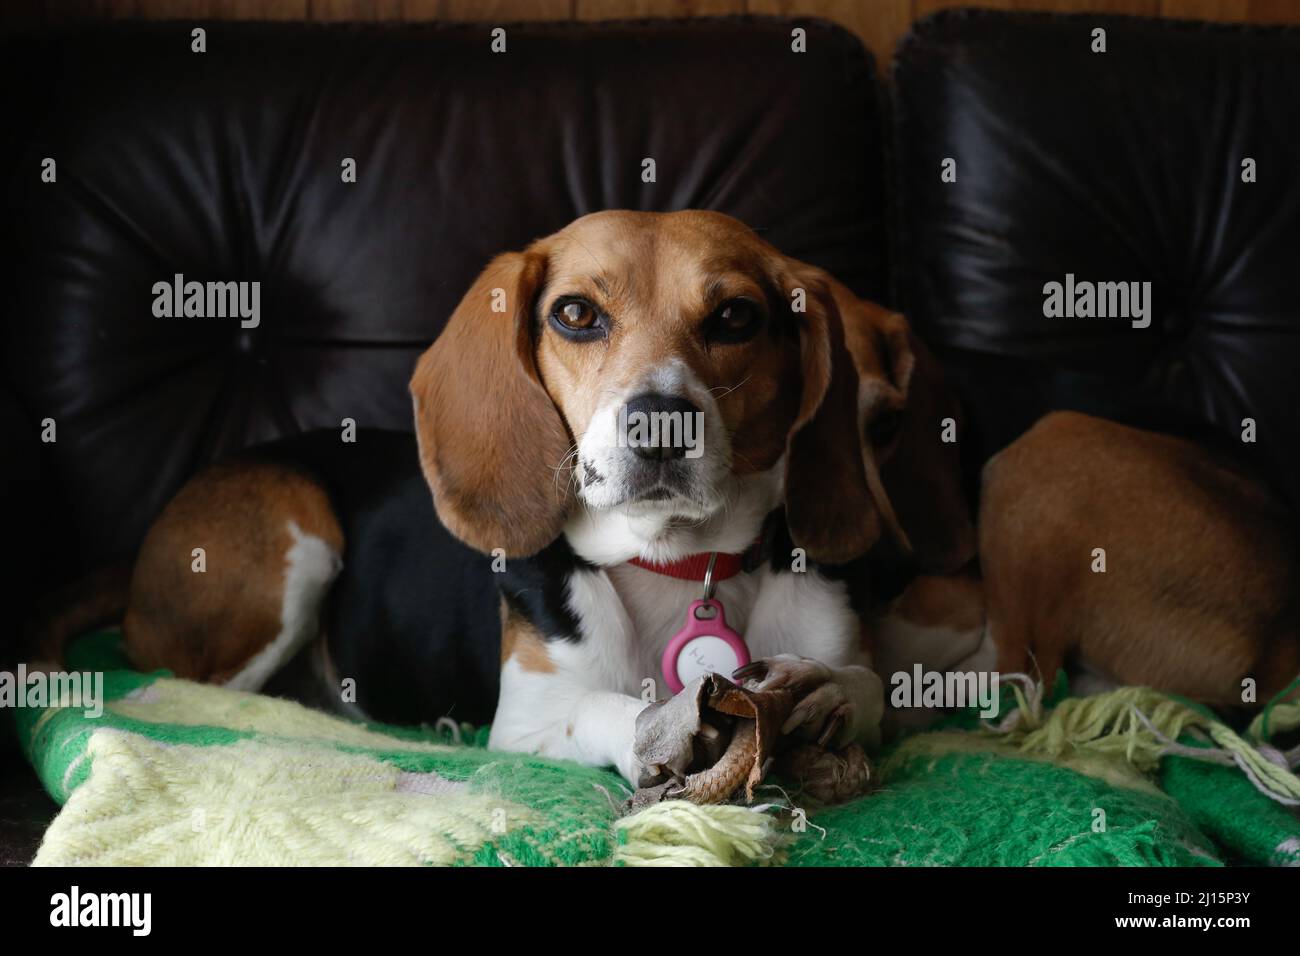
(1199, 588)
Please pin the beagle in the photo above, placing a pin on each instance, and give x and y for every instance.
(571, 566)
(1128, 556)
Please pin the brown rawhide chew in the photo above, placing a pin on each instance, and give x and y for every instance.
(754, 737)
(755, 718)
(719, 782)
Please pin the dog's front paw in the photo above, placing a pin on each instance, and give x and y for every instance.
(834, 707)
(827, 776)
(673, 738)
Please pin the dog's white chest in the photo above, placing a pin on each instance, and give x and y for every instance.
(802, 614)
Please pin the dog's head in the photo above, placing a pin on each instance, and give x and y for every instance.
(649, 364)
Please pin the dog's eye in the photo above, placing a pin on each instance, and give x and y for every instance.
(576, 318)
(886, 427)
(736, 320)
(576, 315)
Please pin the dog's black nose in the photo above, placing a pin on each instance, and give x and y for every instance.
(661, 427)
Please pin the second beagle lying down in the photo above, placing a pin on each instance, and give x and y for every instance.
(1131, 557)
(786, 406)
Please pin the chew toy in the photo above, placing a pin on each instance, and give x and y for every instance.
(756, 744)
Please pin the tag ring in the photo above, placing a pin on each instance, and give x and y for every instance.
(708, 576)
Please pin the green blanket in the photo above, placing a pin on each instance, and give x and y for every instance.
(180, 773)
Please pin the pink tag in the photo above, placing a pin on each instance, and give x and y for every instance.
(705, 645)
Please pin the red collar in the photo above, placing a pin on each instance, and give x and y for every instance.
(693, 566)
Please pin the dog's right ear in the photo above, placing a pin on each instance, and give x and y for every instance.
(492, 443)
(905, 403)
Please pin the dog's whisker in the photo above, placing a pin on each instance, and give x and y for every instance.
(571, 484)
(727, 391)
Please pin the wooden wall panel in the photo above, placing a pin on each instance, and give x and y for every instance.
(1206, 9)
(625, 9)
(879, 23)
(420, 10)
(503, 11)
(1247, 11)
(1142, 8)
(177, 9)
(353, 10)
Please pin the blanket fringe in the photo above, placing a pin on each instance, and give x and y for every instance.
(680, 833)
(1142, 725)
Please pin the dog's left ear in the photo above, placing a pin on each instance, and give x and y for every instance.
(865, 455)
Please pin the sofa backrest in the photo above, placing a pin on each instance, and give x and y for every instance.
(1126, 166)
(227, 165)
(1117, 166)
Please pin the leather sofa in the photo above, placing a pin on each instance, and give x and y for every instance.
(1116, 166)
